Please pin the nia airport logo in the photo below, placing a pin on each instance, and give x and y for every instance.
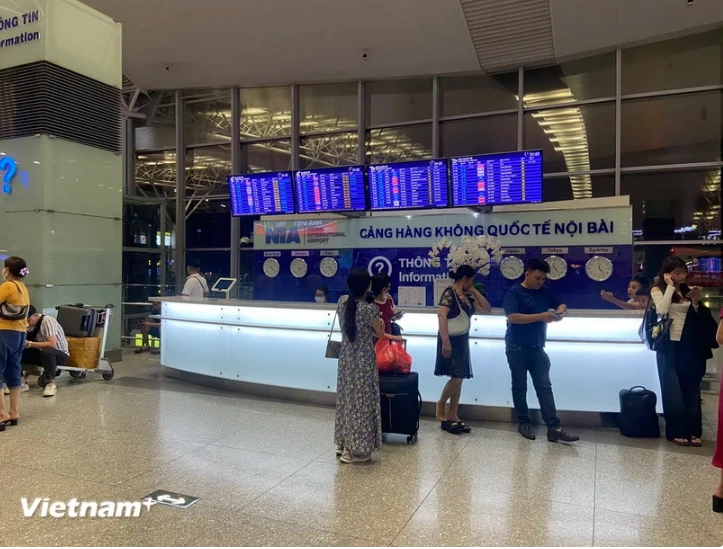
(44, 508)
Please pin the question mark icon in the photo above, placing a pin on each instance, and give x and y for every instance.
(9, 166)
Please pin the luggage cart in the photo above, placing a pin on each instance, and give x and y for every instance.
(105, 368)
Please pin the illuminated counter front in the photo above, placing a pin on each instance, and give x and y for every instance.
(280, 347)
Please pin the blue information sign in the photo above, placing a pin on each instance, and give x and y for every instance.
(330, 190)
(408, 185)
(261, 193)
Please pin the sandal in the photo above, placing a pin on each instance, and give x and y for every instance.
(450, 428)
(461, 426)
(680, 441)
(696, 441)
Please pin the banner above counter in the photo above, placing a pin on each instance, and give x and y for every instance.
(590, 227)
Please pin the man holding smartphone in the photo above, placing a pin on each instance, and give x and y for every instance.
(528, 307)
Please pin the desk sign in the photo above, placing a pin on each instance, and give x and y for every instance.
(597, 250)
(172, 499)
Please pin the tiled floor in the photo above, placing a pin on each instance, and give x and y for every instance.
(266, 474)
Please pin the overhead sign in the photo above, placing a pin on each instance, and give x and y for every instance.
(172, 499)
(589, 227)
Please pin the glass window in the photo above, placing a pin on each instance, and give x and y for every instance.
(577, 187)
(328, 107)
(477, 93)
(156, 173)
(399, 144)
(141, 223)
(208, 121)
(160, 132)
(265, 112)
(573, 138)
(395, 101)
(672, 130)
(207, 170)
(675, 205)
(704, 264)
(323, 151)
(479, 135)
(246, 274)
(673, 64)
(214, 265)
(270, 156)
(209, 224)
(589, 78)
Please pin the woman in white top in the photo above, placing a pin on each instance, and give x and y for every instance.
(681, 360)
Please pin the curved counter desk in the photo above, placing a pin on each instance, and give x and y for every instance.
(277, 350)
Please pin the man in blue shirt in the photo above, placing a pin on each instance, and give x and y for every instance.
(528, 310)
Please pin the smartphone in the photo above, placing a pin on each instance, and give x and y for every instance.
(559, 315)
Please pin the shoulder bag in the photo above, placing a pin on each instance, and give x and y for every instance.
(333, 348)
(654, 331)
(14, 313)
(460, 324)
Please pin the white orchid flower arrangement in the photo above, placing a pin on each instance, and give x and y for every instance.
(478, 253)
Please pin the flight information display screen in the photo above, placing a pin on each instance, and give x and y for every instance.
(330, 190)
(261, 193)
(494, 179)
(408, 185)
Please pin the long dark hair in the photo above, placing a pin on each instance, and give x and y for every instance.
(358, 284)
(16, 266)
(463, 271)
(669, 265)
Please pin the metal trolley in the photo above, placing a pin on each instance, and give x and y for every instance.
(104, 367)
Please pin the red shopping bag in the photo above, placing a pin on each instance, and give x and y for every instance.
(392, 357)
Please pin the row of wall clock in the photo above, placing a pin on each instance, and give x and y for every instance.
(299, 267)
(597, 268)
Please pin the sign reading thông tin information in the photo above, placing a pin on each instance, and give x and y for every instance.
(12, 31)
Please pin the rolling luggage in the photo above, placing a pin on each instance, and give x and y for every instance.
(638, 417)
(401, 404)
(77, 321)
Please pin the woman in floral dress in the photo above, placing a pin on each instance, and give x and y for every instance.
(358, 429)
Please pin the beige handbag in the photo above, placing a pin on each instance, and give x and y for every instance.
(460, 324)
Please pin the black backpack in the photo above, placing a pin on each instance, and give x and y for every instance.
(638, 417)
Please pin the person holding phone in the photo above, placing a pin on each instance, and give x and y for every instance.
(683, 353)
(529, 309)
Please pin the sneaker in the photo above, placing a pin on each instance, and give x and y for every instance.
(24, 388)
(50, 390)
(346, 457)
(560, 435)
(526, 430)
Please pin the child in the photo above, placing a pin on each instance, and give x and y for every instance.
(642, 297)
(637, 282)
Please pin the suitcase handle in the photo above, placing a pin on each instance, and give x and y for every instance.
(638, 387)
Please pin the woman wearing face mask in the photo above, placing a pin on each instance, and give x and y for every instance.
(456, 307)
(14, 304)
(358, 426)
(322, 294)
(682, 355)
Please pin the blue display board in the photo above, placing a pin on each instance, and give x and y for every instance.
(330, 190)
(494, 179)
(408, 185)
(261, 194)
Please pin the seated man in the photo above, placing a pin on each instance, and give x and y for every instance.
(152, 327)
(46, 346)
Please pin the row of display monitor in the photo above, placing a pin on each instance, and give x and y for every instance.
(482, 180)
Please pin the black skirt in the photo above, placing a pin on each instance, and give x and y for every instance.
(458, 365)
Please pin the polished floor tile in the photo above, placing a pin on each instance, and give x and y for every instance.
(267, 475)
(462, 515)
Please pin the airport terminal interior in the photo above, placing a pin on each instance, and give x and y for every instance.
(196, 193)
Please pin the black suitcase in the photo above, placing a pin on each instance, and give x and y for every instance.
(77, 321)
(401, 404)
(638, 417)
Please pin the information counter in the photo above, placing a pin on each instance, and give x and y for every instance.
(279, 348)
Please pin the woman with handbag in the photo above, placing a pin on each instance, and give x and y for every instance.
(681, 351)
(456, 307)
(14, 305)
(358, 426)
